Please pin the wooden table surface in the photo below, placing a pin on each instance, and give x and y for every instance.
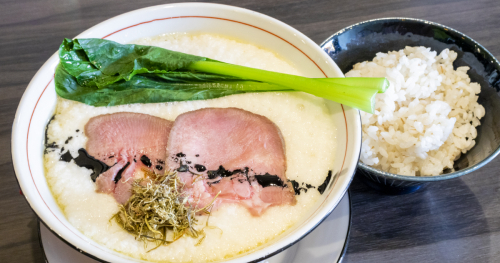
(452, 221)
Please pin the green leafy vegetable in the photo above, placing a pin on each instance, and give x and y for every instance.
(104, 73)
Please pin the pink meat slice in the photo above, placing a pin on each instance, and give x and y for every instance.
(134, 133)
(123, 189)
(120, 140)
(105, 183)
(236, 140)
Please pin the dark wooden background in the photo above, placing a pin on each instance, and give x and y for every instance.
(452, 221)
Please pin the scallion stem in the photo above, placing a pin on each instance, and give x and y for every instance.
(354, 92)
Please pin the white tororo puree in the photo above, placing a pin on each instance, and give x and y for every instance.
(304, 121)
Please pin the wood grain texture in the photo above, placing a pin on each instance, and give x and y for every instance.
(452, 221)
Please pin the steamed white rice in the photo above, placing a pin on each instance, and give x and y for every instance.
(426, 118)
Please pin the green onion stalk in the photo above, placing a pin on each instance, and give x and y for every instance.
(358, 93)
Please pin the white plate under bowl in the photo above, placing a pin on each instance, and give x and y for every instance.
(326, 244)
(38, 103)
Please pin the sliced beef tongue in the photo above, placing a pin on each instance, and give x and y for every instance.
(229, 152)
(230, 148)
(134, 133)
(124, 141)
(105, 182)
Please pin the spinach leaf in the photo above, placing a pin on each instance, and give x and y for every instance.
(102, 62)
(151, 88)
(100, 72)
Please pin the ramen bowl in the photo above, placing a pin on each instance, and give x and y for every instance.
(39, 100)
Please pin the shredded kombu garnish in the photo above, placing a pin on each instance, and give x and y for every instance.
(159, 212)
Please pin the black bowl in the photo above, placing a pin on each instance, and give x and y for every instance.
(360, 42)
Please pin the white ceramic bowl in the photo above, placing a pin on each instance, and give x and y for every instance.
(38, 103)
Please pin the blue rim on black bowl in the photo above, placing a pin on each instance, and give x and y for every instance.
(361, 42)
